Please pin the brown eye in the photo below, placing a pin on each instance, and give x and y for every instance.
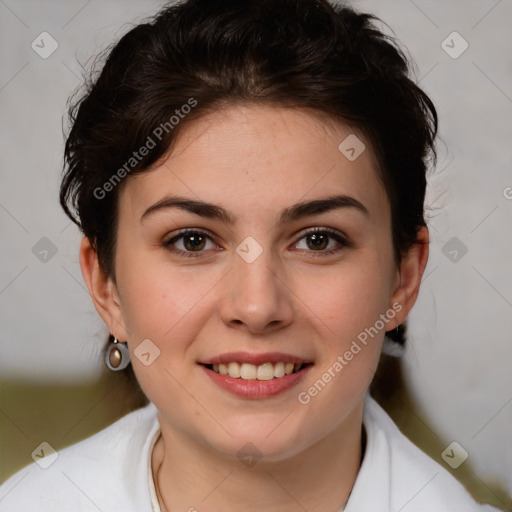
(319, 239)
(189, 242)
(194, 242)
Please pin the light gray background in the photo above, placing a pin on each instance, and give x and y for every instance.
(459, 357)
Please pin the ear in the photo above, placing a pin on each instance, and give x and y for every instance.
(409, 275)
(103, 290)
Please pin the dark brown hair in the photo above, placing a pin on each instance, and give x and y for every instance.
(203, 54)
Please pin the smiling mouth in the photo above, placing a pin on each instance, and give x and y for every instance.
(265, 371)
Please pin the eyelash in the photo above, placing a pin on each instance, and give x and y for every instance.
(191, 254)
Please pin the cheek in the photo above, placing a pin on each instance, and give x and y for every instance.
(347, 299)
(346, 308)
(153, 301)
(164, 302)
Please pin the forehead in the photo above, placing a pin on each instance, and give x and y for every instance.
(256, 159)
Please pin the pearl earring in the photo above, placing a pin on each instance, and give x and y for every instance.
(117, 356)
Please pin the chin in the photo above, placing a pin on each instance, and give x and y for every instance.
(255, 440)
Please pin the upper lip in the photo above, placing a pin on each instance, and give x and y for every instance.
(256, 359)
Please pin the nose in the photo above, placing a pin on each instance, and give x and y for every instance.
(257, 298)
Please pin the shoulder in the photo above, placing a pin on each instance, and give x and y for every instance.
(107, 471)
(410, 480)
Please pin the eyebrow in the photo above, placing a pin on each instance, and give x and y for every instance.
(292, 213)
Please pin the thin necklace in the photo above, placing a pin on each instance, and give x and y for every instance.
(162, 501)
(157, 486)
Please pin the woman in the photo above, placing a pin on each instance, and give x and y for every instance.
(249, 178)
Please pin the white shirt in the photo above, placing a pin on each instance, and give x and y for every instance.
(111, 472)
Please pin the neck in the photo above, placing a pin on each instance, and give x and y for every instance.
(190, 475)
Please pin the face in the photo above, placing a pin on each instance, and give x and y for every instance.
(251, 272)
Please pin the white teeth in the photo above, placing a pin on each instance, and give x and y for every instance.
(265, 372)
(247, 371)
(279, 369)
(234, 370)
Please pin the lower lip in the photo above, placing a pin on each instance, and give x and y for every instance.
(256, 388)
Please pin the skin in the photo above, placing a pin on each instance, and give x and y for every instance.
(255, 161)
